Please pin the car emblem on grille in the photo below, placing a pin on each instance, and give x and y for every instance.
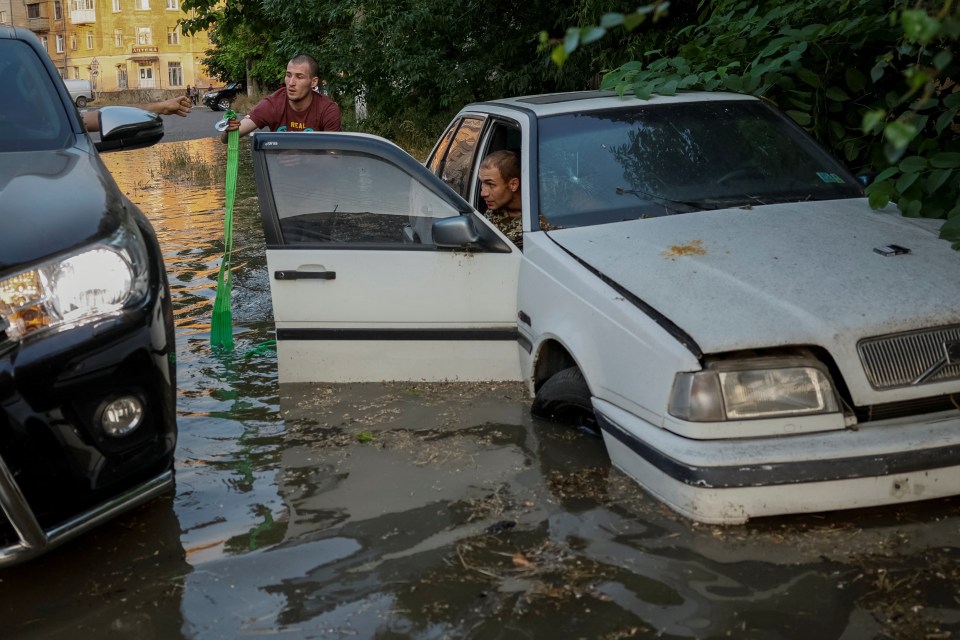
(951, 355)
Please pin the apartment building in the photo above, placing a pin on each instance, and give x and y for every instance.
(116, 44)
(13, 12)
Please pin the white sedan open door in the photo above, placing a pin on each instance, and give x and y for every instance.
(378, 271)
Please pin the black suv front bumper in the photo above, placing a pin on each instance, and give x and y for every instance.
(60, 473)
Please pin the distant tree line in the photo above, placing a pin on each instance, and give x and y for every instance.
(411, 56)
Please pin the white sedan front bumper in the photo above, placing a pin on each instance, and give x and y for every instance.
(730, 481)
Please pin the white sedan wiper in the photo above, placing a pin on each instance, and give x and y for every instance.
(692, 206)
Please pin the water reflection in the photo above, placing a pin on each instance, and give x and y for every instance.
(229, 424)
(188, 217)
(433, 511)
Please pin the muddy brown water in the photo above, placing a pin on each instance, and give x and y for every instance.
(432, 511)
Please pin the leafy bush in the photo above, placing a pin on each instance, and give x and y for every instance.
(413, 130)
(873, 80)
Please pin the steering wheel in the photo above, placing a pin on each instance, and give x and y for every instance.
(305, 232)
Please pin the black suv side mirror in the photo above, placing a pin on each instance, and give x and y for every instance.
(124, 128)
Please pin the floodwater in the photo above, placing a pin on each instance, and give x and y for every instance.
(432, 511)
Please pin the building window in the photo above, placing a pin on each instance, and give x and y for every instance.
(43, 42)
(59, 43)
(90, 40)
(121, 78)
(141, 4)
(173, 35)
(118, 37)
(57, 11)
(174, 74)
(144, 35)
(173, 5)
(33, 10)
(116, 6)
(73, 42)
(3, 17)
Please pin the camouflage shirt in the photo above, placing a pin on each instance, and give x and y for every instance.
(508, 225)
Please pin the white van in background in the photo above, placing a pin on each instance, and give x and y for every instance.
(80, 91)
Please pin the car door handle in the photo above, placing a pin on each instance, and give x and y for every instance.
(304, 275)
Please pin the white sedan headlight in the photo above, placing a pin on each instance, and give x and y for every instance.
(77, 288)
(750, 389)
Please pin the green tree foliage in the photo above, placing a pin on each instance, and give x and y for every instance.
(873, 80)
(426, 57)
(241, 34)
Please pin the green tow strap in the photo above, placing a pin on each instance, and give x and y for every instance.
(221, 326)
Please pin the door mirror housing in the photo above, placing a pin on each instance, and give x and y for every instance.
(456, 232)
(124, 128)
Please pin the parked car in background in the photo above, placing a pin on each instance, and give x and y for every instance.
(221, 99)
(87, 372)
(80, 92)
(699, 281)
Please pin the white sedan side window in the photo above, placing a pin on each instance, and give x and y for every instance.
(345, 197)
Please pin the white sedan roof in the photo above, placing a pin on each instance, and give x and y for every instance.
(580, 101)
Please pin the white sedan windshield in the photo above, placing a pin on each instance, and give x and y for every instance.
(654, 160)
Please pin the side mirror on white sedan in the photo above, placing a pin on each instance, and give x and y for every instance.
(455, 232)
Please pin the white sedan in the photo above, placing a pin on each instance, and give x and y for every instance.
(699, 280)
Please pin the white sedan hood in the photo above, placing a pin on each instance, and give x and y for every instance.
(786, 274)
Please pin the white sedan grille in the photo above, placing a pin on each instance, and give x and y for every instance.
(911, 359)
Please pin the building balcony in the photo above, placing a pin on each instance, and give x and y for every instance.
(38, 24)
(83, 16)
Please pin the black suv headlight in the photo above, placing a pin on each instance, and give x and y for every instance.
(77, 288)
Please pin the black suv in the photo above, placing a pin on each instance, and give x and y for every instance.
(221, 99)
(87, 360)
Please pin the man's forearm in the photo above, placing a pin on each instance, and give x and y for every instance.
(179, 106)
(91, 120)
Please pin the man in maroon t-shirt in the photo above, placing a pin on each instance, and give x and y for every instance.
(294, 107)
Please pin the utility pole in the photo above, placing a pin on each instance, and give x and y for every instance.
(66, 44)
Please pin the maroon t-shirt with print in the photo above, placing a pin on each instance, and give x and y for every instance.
(275, 113)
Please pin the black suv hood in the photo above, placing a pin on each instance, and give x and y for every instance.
(52, 202)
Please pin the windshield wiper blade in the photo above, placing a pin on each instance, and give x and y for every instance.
(658, 199)
(750, 200)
